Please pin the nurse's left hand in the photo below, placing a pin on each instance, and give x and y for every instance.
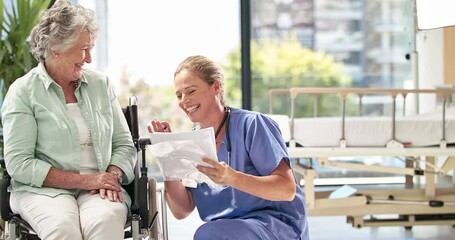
(219, 172)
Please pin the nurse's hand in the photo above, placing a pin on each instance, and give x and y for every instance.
(219, 172)
(158, 126)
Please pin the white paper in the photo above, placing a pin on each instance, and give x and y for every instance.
(178, 154)
(342, 192)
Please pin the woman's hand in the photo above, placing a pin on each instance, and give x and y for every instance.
(219, 172)
(158, 126)
(101, 180)
(113, 196)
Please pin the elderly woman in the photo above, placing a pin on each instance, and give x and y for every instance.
(262, 199)
(67, 145)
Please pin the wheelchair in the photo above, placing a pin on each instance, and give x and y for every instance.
(143, 223)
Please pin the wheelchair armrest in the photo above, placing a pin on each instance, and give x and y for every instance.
(5, 209)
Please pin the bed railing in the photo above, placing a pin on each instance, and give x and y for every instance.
(273, 93)
(443, 94)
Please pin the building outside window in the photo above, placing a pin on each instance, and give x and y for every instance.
(368, 39)
(365, 43)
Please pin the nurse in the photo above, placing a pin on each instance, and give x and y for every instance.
(262, 199)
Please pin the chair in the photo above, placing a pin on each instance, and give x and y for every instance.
(144, 220)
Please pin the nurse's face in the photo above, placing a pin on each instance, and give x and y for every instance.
(195, 96)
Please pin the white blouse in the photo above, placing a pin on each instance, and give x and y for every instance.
(88, 159)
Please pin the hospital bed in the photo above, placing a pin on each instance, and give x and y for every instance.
(423, 140)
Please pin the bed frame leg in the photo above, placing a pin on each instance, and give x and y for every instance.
(409, 163)
(430, 190)
(309, 188)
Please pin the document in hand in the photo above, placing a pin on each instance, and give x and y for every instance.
(179, 153)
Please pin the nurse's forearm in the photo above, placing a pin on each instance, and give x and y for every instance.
(278, 186)
(179, 200)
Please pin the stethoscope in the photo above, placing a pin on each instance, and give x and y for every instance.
(227, 116)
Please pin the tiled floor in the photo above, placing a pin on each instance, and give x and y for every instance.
(328, 228)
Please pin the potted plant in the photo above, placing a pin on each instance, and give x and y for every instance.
(17, 22)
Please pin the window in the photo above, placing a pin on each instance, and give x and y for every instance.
(360, 43)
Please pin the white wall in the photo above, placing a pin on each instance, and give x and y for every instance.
(429, 47)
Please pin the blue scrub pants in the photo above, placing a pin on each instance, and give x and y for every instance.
(233, 229)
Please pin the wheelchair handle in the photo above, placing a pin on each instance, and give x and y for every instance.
(134, 118)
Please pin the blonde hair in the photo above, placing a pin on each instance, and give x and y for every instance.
(206, 69)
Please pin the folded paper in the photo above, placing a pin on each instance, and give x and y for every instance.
(179, 153)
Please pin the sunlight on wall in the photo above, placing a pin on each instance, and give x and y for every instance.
(150, 38)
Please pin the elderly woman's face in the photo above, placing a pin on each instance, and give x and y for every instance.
(195, 96)
(70, 63)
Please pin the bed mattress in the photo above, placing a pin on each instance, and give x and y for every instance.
(413, 131)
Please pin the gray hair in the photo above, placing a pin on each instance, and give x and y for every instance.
(59, 28)
(206, 69)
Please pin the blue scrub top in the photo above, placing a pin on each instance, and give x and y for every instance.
(257, 149)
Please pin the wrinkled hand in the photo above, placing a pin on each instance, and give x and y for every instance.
(158, 126)
(102, 180)
(219, 172)
(113, 196)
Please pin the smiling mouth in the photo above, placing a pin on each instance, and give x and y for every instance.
(192, 108)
